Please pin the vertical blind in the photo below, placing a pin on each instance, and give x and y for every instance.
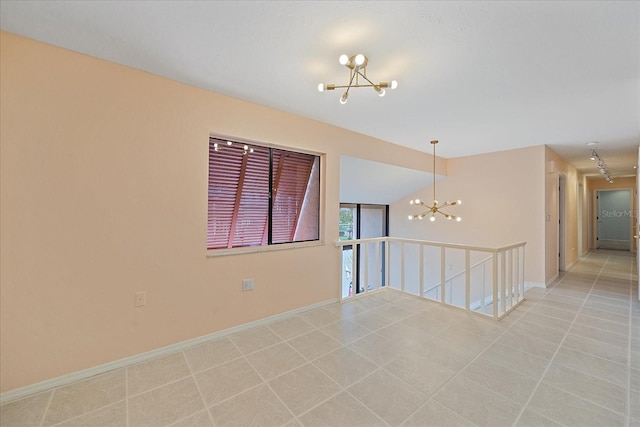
(238, 196)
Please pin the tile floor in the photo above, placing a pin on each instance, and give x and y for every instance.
(569, 355)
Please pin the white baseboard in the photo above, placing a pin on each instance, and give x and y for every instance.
(21, 392)
(529, 285)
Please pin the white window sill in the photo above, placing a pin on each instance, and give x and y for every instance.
(211, 253)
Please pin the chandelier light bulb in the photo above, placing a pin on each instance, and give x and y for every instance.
(321, 87)
(410, 217)
(458, 202)
(380, 91)
(432, 218)
(394, 84)
(343, 98)
(343, 60)
(417, 201)
(359, 59)
(458, 219)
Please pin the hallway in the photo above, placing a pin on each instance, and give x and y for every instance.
(569, 355)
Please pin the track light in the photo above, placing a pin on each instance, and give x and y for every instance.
(357, 66)
(602, 167)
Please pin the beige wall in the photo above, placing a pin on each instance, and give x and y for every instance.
(103, 193)
(501, 194)
(556, 166)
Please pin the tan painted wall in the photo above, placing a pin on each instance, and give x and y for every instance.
(103, 193)
(501, 194)
(557, 166)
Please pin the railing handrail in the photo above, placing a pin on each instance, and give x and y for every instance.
(448, 279)
(430, 243)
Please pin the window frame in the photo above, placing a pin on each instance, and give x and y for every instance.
(320, 241)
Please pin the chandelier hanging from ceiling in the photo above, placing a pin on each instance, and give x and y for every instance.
(435, 207)
(357, 66)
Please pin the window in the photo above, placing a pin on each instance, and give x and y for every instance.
(243, 212)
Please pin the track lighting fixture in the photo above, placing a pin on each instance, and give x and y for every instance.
(435, 207)
(602, 167)
(357, 66)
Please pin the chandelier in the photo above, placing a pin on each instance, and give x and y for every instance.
(435, 208)
(357, 66)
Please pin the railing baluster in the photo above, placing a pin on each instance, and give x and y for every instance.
(402, 260)
(421, 288)
(378, 270)
(467, 280)
(495, 286)
(442, 275)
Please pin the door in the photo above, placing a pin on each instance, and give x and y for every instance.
(614, 219)
(360, 221)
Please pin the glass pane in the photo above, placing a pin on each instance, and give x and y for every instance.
(347, 222)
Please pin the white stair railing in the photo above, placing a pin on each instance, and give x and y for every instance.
(490, 285)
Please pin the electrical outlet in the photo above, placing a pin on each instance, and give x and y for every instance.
(141, 299)
(247, 285)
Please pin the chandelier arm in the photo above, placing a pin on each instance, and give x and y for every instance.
(372, 84)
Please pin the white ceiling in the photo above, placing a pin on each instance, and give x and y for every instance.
(478, 76)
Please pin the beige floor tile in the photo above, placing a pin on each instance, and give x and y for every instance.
(314, 344)
(165, 405)
(111, 416)
(514, 359)
(345, 366)
(371, 320)
(564, 299)
(276, 360)
(320, 317)
(404, 337)
(606, 315)
(376, 348)
(635, 379)
(393, 312)
(224, 381)
(201, 419)
(604, 325)
(26, 412)
(346, 309)
(571, 410)
(157, 372)
(531, 418)
(599, 335)
(567, 316)
(538, 331)
(85, 396)
(342, 410)
(304, 388)
(597, 348)
(474, 402)
(435, 414)
(425, 372)
(255, 339)
(258, 407)
(592, 365)
(601, 392)
(528, 344)
(387, 396)
(345, 331)
(506, 382)
(547, 321)
(210, 354)
(291, 327)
